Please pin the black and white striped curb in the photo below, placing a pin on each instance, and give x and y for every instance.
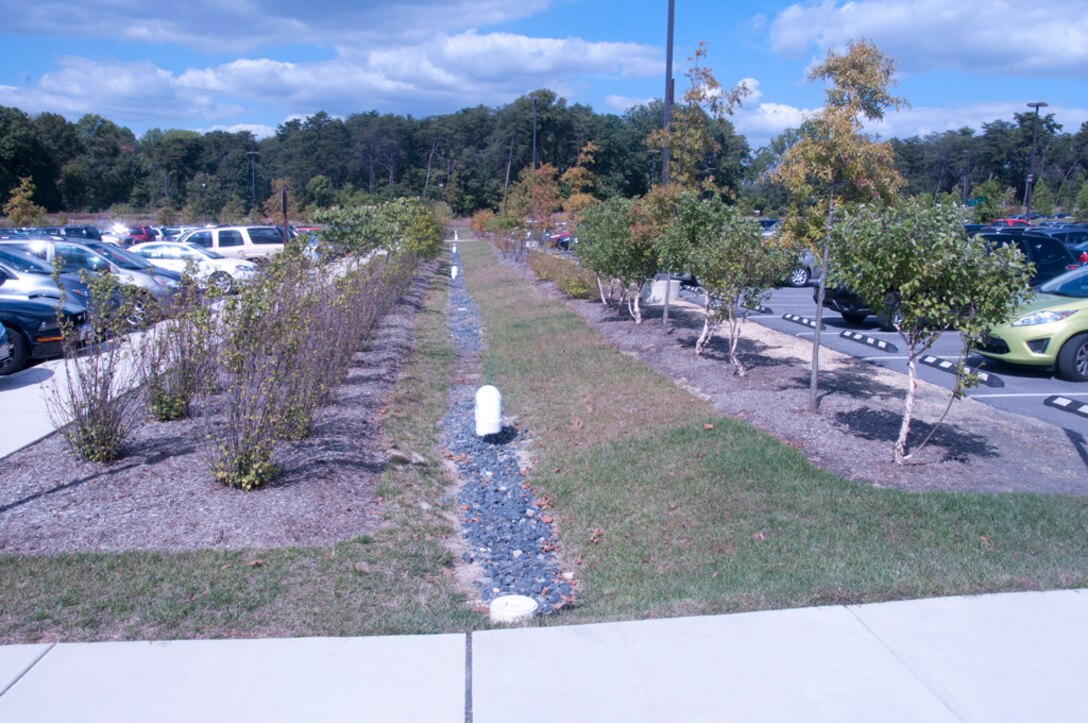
(803, 321)
(1067, 405)
(761, 309)
(986, 378)
(870, 341)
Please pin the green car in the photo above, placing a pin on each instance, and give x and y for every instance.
(1050, 330)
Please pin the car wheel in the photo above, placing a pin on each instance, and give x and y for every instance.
(141, 312)
(222, 281)
(799, 277)
(854, 317)
(20, 353)
(1073, 359)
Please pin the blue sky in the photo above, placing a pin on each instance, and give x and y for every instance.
(252, 64)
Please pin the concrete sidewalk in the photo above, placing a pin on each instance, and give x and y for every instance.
(23, 403)
(1010, 657)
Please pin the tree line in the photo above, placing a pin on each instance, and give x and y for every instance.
(471, 158)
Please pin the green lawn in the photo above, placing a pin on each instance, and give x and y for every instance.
(669, 517)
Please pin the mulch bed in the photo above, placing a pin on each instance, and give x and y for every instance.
(161, 495)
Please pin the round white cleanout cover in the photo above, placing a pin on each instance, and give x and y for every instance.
(510, 609)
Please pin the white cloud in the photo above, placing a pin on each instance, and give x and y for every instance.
(984, 37)
(240, 26)
(259, 131)
(441, 74)
(620, 103)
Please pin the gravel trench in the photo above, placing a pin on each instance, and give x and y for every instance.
(508, 533)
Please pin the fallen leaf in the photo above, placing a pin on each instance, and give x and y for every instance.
(596, 536)
(545, 519)
(759, 536)
(708, 426)
(255, 563)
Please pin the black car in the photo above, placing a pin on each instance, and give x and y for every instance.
(33, 329)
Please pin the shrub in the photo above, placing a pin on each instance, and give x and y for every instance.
(569, 277)
(95, 407)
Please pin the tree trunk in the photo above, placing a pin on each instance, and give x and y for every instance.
(708, 328)
(908, 409)
(600, 290)
(430, 160)
(814, 376)
(734, 338)
(665, 312)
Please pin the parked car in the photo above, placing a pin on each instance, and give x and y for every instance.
(1011, 221)
(154, 287)
(807, 269)
(209, 266)
(1050, 258)
(6, 350)
(31, 277)
(34, 330)
(1051, 330)
(238, 242)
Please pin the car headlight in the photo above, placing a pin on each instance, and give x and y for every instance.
(1043, 317)
(48, 326)
(168, 283)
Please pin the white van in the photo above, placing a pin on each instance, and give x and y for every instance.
(238, 242)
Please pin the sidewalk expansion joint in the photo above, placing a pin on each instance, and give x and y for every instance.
(26, 670)
(468, 677)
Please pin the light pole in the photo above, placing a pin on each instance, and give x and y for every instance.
(534, 132)
(668, 96)
(1030, 185)
(253, 175)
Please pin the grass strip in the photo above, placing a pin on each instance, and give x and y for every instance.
(396, 580)
(671, 510)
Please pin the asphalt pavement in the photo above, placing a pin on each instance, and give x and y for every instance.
(1011, 389)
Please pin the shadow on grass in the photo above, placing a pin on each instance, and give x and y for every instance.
(883, 426)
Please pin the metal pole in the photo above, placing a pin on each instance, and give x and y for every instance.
(1030, 185)
(668, 97)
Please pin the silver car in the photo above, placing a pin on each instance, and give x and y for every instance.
(155, 287)
(29, 276)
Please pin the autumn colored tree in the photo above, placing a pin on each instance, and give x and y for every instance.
(579, 182)
(20, 207)
(534, 198)
(834, 163)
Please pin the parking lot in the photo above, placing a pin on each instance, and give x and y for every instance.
(1036, 393)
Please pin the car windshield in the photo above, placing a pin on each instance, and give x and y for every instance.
(1072, 284)
(207, 253)
(124, 259)
(23, 262)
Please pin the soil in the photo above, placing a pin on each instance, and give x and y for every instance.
(161, 495)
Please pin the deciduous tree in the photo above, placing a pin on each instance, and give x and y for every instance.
(917, 261)
(834, 162)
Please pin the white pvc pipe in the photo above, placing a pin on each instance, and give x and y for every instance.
(512, 609)
(488, 411)
(453, 272)
(455, 248)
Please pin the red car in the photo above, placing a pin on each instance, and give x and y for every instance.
(137, 235)
(1009, 222)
